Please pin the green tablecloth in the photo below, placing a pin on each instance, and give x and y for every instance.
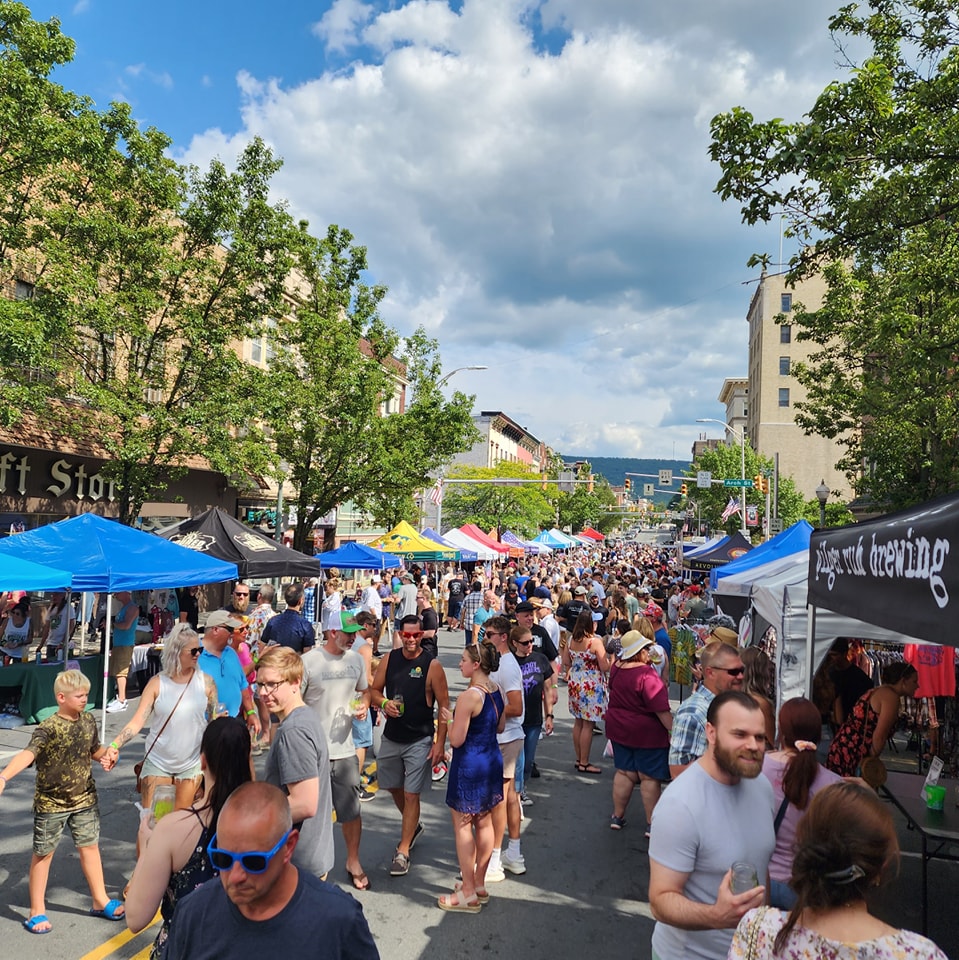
(37, 699)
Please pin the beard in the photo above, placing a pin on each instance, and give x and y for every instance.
(746, 764)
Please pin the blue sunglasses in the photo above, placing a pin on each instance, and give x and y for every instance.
(255, 861)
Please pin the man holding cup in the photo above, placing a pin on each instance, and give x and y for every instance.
(718, 814)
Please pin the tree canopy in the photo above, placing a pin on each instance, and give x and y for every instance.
(868, 182)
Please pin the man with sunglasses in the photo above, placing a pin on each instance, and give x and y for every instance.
(261, 904)
(722, 670)
(409, 685)
(240, 601)
(221, 662)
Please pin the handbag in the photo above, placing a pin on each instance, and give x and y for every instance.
(138, 767)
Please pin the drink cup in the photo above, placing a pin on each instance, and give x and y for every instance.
(164, 800)
(356, 704)
(745, 877)
(400, 705)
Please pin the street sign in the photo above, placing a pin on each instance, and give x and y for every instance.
(737, 483)
(649, 489)
(776, 525)
(665, 478)
(704, 479)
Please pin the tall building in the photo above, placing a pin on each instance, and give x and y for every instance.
(773, 391)
(503, 439)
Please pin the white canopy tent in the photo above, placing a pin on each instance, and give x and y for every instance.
(456, 537)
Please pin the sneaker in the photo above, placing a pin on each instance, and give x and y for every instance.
(513, 864)
(116, 706)
(440, 770)
(616, 823)
(535, 772)
(525, 800)
(365, 795)
(400, 866)
(495, 874)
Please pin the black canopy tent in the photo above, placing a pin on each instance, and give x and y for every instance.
(732, 548)
(256, 555)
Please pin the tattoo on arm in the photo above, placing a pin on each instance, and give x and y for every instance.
(125, 736)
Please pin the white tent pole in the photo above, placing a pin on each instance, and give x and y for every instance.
(106, 666)
(810, 646)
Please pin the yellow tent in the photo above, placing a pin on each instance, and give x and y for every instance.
(405, 542)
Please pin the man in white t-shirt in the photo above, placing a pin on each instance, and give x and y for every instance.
(372, 603)
(335, 687)
(506, 815)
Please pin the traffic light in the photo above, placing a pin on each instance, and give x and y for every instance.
(628, 484)
(758, 482)
(765, 484)
(684, 489)
(589, 486)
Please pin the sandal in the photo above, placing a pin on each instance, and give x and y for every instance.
(359, 880)
(34, 922)
(481, 893)
(588, 768)
(457, 903)
(114, 910)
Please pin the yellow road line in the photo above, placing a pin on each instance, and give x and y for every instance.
(114, 943)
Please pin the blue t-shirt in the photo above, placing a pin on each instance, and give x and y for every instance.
(480, 617)
(227, 673)
(128, 636)
(662, 638)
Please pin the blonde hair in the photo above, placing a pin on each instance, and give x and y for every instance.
(285, 661)
(71, 681)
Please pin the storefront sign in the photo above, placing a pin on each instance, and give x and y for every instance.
(69, 479)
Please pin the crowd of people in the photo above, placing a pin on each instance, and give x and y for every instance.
(339, 672)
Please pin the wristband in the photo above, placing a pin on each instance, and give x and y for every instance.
(4, 779)
(383, 703)
(113, 746)
(549, 716)
(249, 713)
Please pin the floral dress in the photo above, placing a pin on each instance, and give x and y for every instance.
(853, 740)
(586, 685)
(757, 931)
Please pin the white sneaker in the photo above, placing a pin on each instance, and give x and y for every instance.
(495, 874)
(513, 864)
(116, 706)
(525, 800)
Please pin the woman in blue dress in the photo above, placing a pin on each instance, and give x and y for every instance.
(475, 783)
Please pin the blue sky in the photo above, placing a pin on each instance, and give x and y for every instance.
(530, 177)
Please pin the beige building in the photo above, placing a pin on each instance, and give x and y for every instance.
(503, 439)
(769, 396)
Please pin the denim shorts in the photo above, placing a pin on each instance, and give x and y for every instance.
(48, 829)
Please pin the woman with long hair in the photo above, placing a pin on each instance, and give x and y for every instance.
(864, 732)
(174, 861)
(757, 682)
(58, 626)
(586, 663)
(845, 845)
(475, 784)
(796, 776)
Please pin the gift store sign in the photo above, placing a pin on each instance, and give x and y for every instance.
(26, 474)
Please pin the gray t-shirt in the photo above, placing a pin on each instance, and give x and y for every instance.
(329, 683)
(701, 827)
(299, 752)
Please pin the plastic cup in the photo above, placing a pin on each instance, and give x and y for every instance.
(398, 700)
(745, 877)
(356, 704)
(164, 800)
(935, 797)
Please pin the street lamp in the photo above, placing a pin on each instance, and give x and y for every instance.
(742, 466)
(473, 366)
(822, 495)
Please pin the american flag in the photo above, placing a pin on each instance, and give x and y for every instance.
(732, 508)
(436, 493)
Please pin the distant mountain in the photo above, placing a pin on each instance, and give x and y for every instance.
(614, 469)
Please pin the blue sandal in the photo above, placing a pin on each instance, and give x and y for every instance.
(33, 922)
(109, 912)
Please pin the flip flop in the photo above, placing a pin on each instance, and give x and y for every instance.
(114, 910)
(588, 768)
(34, 922)
(457, 903)
(360, 880)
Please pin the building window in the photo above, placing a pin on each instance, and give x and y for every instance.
(785, 333)
(785, 302)
(784, 366)
(22, 290)
(784, 396)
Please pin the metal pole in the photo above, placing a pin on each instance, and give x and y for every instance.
(742, 489)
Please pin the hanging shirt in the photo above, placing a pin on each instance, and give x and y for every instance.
(936, 667)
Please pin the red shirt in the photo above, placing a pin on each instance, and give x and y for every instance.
(636, 695)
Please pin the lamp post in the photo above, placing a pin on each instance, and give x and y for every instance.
(472, 366)
(822, 495)
(742, 466)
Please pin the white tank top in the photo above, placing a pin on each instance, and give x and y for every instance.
(16, 638)
(178, 749)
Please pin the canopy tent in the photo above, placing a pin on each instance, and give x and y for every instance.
(562, 537)
(217, 534)
(897, 571)
(515, 550)
(791, 541)
(409, 545)
(592, 534)
(358, 556)
(547, 539)
(106, 556)
(471, 530)
(696, 549)
(461, 540)
(526, 545)
(731, 549)
(17, 574)
(742, 583)
(465, 555)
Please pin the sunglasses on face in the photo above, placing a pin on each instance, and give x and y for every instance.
(732, 671)
(524, 643)
(237, 593)
(410, 634)
(254, 861)
(195, 651)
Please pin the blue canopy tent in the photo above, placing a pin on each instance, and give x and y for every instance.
(792, 540)
(104, 556)
(17, 574)
(465, 555)
(358, 556)
(554, 543)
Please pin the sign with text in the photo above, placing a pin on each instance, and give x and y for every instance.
(704, 479)
(737, 483)
(665, 478)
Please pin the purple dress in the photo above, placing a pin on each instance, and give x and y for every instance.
(475, 783)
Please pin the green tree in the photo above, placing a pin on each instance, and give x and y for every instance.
(523, 508)
(584, 508)
(328, 395)
(867, 180)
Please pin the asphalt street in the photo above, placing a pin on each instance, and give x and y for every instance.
(585, 888)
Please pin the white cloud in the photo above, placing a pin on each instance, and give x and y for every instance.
(543, 203)
(161, 78)
(81, 6)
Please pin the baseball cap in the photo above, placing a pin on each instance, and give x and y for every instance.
(654, 611)
(376, 578)
(525, 607)
(223, 618)
(348, 622)
(580, 591)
